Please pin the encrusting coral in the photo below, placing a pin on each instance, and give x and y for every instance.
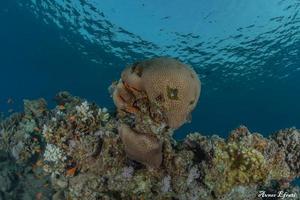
(153, 97)
(78, 151)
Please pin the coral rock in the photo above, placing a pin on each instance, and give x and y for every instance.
(289, 141)
(140, 147)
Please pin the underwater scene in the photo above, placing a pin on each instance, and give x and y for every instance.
(146, 100)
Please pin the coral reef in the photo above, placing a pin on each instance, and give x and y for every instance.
(22, 181)
(74, 151)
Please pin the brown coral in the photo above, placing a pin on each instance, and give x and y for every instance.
(143, 148)
(166, 82)
(153, 96)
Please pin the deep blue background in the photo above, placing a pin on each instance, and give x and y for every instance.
(39, 57)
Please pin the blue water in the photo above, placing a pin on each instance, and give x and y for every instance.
(247, 54)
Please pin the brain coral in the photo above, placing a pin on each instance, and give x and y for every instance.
(172, 85)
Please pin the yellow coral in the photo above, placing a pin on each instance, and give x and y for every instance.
(235, 164)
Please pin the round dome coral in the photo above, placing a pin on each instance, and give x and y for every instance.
(168, 83)
(173, 85)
